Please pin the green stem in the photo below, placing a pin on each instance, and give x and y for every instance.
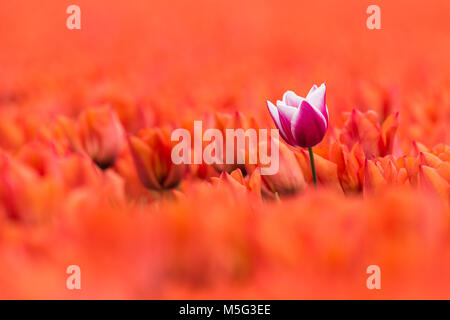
(313, 167)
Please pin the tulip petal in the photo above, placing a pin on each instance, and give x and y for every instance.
(174, 176)
(444, 171)
(373, 178)
(308, 125)
(388, 132)
(429, 159)
(430, 179)
(327, 173)
(286, 113)
(317, 99)
(255, 182)
(276, 118)
(291, 99)
(141, 154)
(313, 88)
(289, 179)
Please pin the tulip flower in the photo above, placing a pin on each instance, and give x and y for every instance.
(287, 181)
(151, 154)
(101, 135)
(302, 122)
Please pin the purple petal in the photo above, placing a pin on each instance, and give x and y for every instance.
(308, 126)
(276, 118)
(291, 99)
(286, 114)
(317, 99)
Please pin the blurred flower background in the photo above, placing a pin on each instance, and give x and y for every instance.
(85, 170)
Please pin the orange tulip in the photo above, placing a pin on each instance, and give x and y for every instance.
(151, 151)
(327, 174)
(287, 181)
(101, 135)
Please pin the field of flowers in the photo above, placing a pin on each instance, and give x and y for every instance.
(86, 176)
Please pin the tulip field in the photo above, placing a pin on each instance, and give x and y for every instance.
(88, 182)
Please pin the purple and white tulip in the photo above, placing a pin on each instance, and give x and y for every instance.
(302, 122)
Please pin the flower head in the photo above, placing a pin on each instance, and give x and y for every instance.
(101, 135)
(151, 154)
(302, 122)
